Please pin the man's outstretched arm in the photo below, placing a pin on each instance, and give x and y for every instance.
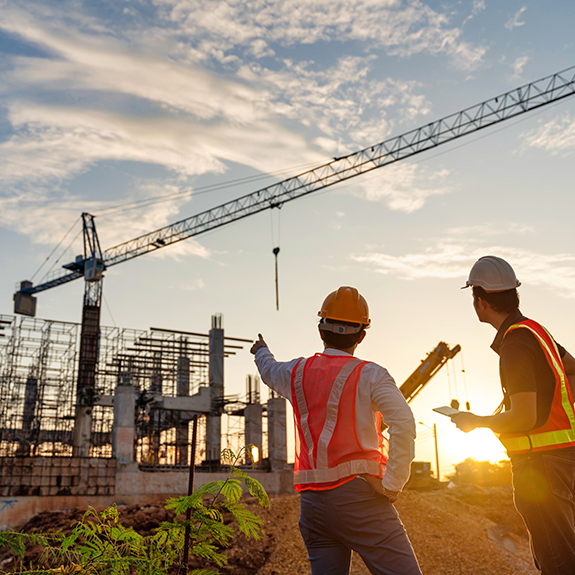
(520, 418)
(275, 374)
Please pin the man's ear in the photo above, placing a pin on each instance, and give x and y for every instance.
(362, 337)
(481, 303)
(320, 333)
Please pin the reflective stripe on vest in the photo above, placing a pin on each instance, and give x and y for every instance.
(542, 439)
(317, 454)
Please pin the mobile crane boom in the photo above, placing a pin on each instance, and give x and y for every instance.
(428, 367)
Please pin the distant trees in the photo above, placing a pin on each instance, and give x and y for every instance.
(482, 473)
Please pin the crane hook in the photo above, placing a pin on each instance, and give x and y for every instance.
(276, 251)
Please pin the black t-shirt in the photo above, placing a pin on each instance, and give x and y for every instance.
(524, 367)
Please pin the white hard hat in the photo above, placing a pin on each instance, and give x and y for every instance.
(493, 274)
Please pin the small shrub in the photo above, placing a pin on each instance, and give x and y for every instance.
(100, 545)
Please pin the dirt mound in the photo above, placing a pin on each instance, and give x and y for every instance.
(465, 530)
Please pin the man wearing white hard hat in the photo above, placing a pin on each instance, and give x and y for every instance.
(536, 419)
(347, 477)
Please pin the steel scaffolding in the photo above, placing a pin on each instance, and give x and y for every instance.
(38, 375)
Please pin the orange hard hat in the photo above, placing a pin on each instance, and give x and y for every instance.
(346, 304)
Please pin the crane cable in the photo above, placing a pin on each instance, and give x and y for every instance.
(137, 204)
(52, 252)
(467, 404)
(276, 250)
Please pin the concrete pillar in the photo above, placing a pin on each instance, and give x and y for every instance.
(277, 438)
(124, 430)
(216, 379)
(82, 433)
(253, 429)
(183, 390)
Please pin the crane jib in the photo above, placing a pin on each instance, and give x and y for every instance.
(500, 108)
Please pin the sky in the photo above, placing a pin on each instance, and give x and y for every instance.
(176, 106)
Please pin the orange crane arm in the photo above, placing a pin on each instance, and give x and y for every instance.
(428, 367)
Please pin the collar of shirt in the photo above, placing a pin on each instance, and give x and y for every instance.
(513, 317)
(333, 351)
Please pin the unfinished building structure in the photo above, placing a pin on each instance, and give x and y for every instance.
(136, 417)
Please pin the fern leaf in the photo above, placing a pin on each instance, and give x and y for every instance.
(231, 489)
(209, 552)
(257, 490)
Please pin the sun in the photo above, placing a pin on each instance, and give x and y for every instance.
(480, 444)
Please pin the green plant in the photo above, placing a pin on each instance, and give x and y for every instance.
(100, 545)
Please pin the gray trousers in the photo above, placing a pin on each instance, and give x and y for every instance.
(354, 517)
(544, 494)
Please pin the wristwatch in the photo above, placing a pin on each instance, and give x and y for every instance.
(392, 496)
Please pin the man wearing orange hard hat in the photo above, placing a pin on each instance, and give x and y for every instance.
(347, 472)
(537, 425)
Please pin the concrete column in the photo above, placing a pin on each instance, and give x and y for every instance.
(253, 428)
(183, 385)
(277, 439)
(216, 379)
(124, 430)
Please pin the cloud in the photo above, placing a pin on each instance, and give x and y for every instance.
(518, 65)
(65, 141)
(489, 230)
(341, 102)
(515, 22)
(477, 7)
(556, 136)
(401, 28)
(452, 257)
(405, 187)
(180, 118)
(192, 85)
(105, 65)
(47, 217)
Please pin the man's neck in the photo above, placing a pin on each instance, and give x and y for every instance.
(349, 350)
(497, 319)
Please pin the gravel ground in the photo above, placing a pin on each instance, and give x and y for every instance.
(449, 530)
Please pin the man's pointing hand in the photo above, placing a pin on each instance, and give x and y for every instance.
(259, 343)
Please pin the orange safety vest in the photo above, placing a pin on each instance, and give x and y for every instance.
(559, 429)
(328, 450)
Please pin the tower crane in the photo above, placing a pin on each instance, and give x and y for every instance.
(94, 261)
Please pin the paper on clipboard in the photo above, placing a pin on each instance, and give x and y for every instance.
(446, 410)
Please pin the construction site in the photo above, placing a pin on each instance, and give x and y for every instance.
(126, 434)
(96, 415)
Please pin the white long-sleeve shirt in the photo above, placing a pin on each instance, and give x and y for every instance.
(376, 391)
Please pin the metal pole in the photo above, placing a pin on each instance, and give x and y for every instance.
(436, 451)
(190, 491)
